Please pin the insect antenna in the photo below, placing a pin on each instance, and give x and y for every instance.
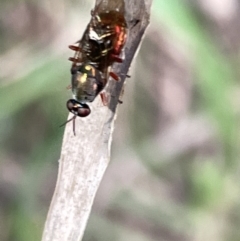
(71, 119)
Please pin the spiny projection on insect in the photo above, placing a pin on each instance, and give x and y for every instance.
(95, 53)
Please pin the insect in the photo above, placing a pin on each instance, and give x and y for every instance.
(100, 46)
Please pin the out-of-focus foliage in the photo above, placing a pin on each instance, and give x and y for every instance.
(175, 157)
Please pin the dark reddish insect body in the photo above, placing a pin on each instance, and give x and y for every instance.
(100, 46)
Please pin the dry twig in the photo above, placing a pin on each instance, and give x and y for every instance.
(85, 157)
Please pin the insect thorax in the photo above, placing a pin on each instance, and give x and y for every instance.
(87, 82)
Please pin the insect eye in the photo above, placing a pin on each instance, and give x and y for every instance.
(79, 109)
(70, 105)
(83, 111)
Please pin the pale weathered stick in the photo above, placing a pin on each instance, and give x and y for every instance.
(85, 157)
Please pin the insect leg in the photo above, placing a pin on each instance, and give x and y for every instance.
(69, 87)
(75, 48)
(114, 76)
(116, 58)
(104, 98)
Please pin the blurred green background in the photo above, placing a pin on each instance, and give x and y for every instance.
(175, 157)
